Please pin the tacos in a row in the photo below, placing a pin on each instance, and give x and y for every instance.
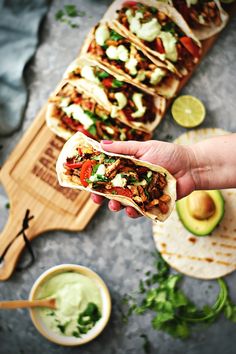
(150, 189)
(72, 108)
(205, 18)
(114, 50)
(124, 101)
(159, 29)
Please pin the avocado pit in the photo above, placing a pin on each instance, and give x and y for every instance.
(201, 205)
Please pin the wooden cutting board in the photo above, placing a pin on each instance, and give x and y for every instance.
(30, 181)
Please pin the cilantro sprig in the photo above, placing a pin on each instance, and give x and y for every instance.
(69, 11)
(173, 311)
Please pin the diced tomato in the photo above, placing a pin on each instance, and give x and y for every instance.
(191, 47)
(159, 46)
(79, 151)
(78, 100)
(86, 171)
(74, 165)
(107, 82)
(121, 191)
(129, 3)
(81, 129)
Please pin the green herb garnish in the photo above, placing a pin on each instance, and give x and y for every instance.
(69, 11)
(92, 130)
(7, 205)
(102, 75)
(88, 318)
(62, 327)
(115, 36)
(146, 343)
(116, 83)
(174, 312)
(169, 27)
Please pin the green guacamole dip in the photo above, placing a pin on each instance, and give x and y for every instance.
(78, 302)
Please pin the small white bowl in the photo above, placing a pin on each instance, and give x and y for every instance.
(99, 326)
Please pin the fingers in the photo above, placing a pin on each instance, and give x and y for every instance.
(132, 213)
(115, 206)
(98, 199)
(133, 148)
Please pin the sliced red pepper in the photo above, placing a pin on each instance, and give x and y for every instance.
(86, 171)
(74, 165)
(129, 3)
(159, 46)
(79, 151)
(107, 82)
(81, 129)
(121, 191)
(191, 47)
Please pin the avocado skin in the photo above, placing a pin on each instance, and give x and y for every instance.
(201, 227)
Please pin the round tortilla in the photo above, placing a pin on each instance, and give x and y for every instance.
(80, 139)
(166, 89)
(99, 94)
(207, 257)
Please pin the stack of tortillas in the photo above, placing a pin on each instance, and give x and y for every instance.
(207, 257)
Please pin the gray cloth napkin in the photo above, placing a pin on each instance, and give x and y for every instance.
(19, 24)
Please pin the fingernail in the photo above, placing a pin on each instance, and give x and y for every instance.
(107, 141)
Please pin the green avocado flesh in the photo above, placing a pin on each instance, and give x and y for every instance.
(201, 227)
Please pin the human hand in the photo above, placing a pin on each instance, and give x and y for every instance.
(177, 159)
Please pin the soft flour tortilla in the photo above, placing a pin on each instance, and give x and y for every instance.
(206, 257)
(170, 11)
(205, 32)
(99, 94)
(165, 89)
(80, 139)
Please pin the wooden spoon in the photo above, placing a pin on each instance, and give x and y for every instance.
(16, 304)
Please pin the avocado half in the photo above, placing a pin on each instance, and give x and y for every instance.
(201, 226)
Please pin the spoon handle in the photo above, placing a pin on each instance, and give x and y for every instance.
(16, 304)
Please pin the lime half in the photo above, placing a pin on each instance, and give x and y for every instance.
(188, 111)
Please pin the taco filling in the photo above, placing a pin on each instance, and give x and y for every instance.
(198, 13)
(118, 52)
(159, 33)
(78, 112)
(114, 175)
(136, 105)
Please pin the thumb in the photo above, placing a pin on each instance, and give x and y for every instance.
(133, 148)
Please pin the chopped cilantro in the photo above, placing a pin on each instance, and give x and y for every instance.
(98, 157)
(115, 36)
(88, 318)
(102, 75)
(7, 205)
(174, 312)
(116, 83)
(169, 27)
(76, 334)
(109, 160)
(62, 327)
(92, 130)
(59, 15)
(71, 10)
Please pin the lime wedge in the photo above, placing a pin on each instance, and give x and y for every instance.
(188, 111)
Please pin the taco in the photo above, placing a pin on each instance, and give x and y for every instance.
(107, 46)
(150, 189)
(72, 109)
(124, 101)
(159, 29)
(205, 18)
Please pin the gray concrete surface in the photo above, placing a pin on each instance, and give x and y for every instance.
(117, 248)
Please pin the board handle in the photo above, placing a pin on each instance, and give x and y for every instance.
(12, 241)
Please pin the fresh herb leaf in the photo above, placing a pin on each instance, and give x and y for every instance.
(59, 15)
(92, 130)
(116, 83)
(71, 10)
(62, 327)
(115, 36)
(76, 334)
(102, 75)
(109, 160)
(169, 27)
(7, 205)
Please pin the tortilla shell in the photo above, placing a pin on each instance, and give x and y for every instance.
(167, 89)
(207, 257)
(80, 139)
(96, 91)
